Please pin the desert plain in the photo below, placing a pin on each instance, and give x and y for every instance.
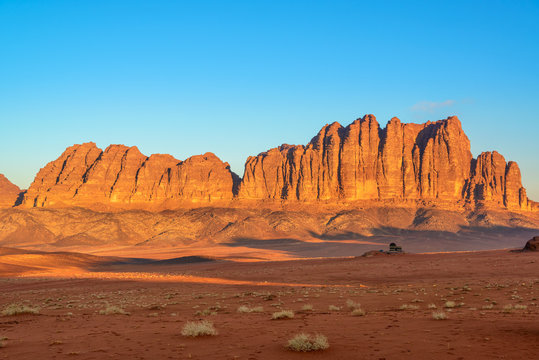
(460, 305)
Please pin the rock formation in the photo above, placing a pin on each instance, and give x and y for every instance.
(532, 244)
(85, 175)
(428, 163)
(9, 192)
(497, 183)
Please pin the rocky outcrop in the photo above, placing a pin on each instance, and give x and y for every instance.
(421, 164)
(497, 183)
(9, 192)
(532, 244)
(85, 175)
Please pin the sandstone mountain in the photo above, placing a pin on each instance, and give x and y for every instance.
(84, 175)
(411, 164)
(347, 188)
(9, 192)
(428, 162)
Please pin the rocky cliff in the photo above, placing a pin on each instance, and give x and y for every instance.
(84, 175)
(428, 162)
(9, 192)
(423, 164)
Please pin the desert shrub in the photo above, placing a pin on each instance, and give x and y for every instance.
(432, 306)
(487, 307)
(520, 307)
(450, 304)
(205, 312)
(306, 342)
(409, 307)
(352, 305)
(334, 308)
(199, 328)
(113, 310)
(508, 308)
(285, 314)
(358, 312)
(246, 309)
(17, 309)
(439, 315)
(307, 307)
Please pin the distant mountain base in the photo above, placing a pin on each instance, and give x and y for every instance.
(306, 231)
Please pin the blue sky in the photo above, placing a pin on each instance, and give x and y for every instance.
(239, 77)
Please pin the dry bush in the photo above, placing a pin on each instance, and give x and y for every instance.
(352, 305)
(17, 309)
(355, 307)
(358, 312)
(334, 308)
(520, 307)
(199, 328)
(307, 307)
(508, 308)
(246, 309)
(439, 315)
(409, 307)
(205, 312)
(432, 306)
(285, 314)
(113, 310)
(450, 304)
(487, 307)
(306, 342)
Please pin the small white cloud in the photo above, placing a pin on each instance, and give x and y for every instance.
(430, 106)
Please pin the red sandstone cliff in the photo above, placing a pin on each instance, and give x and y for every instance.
(428, 162)
(9, 192)
(85, 175)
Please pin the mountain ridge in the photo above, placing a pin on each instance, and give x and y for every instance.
(403, 163)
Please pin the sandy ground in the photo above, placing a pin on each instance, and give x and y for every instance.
(495, 313)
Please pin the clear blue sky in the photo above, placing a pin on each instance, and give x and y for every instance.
(239, 77)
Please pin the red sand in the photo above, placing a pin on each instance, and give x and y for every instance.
(161, 298)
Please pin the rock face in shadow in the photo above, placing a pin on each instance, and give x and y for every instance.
(532, 244)
(85, 175)
(9, 192)
(421, 164)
